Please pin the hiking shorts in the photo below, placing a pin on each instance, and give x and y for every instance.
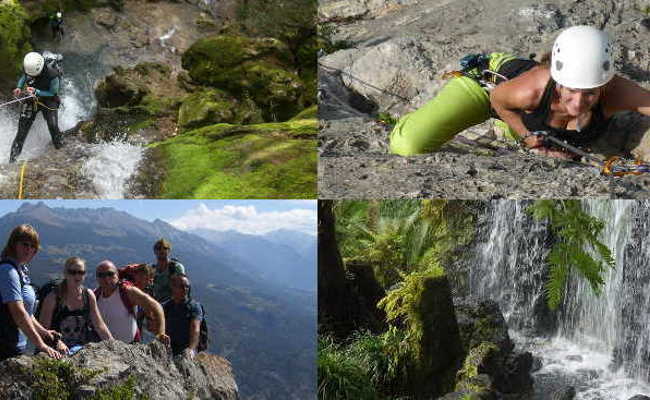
(460, 104)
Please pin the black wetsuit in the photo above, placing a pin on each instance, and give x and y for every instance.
(536, 121)
(47, 83)
(57, 26)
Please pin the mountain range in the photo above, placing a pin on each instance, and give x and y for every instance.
(259, 318)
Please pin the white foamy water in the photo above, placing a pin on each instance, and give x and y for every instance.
(39, 140)
(109, 167)
(585, 369)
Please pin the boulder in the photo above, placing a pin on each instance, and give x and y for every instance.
(213, 106)
(482, 321)
(639, 397)
(113, 368)
(257, 67)
(147, 86)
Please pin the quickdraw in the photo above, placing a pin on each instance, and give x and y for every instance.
(613, 166)
(618, 166)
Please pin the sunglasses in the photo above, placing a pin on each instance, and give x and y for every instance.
(106, 274)
(28, 244)
(76, 272)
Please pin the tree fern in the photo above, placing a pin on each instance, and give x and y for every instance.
(577, 249)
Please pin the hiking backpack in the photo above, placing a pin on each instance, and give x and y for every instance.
(203, 333)
(43, 291)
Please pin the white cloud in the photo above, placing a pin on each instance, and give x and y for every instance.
(247, 219)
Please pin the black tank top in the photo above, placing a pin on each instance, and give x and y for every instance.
(536, 121)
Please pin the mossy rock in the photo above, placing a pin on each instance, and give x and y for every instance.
(147, 88)
(208, 59)
(258, 67)
(14, 40)
(273, 160)
(481, 359)
(213, 106)
(307, 113)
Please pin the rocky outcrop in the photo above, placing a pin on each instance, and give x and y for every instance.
(440, 349)
(113, 368)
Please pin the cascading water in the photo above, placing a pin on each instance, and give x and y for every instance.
(595, 334)
(509, 260)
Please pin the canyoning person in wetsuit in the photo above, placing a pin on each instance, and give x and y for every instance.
(56, 23)
(572, 98)
(41, 79)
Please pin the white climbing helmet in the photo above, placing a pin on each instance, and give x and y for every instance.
(59, 15)
(582, 58)
(33, 63)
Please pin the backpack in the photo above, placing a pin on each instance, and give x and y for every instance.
(53, 64)
(203, 333)
(43, 291)
(127, 272)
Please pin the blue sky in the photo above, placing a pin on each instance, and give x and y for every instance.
(246, 216)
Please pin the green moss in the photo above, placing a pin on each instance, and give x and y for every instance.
(478, 356)
(212, 106)
(308, 113)
(14, 38)
(230, 161)
(261, 68)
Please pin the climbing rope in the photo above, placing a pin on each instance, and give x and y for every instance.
(21, 180)
(17, 100)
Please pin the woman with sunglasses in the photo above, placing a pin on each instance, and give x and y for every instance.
(71, 308)
(17, 298)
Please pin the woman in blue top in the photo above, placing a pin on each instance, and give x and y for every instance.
(17, 298)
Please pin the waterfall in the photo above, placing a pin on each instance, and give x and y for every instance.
(509, 259)
(602, 343)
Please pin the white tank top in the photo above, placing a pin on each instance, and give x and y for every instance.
(121, 324)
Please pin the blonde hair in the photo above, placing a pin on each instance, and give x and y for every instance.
(63, 286)
(21, 233)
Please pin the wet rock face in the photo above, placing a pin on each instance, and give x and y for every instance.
(567, 393)
(104, 366)
(394, 61)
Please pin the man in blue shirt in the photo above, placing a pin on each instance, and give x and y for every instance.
(183, 316)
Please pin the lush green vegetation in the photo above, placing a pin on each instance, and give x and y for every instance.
(409, 243)
(60, 380)
(577, 247)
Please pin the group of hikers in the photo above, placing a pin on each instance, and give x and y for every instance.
(68, 315)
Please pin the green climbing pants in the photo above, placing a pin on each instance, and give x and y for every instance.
(460, 104)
